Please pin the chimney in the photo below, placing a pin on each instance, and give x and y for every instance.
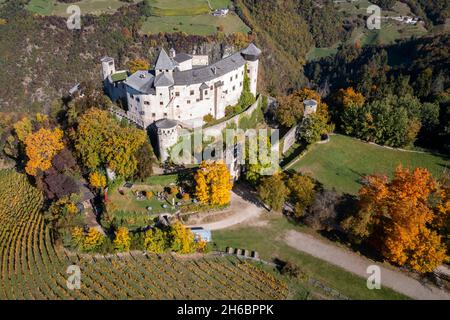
(172, 53)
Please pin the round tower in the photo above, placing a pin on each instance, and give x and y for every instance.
(310, 107)
(251, 55)
(108, 67)
(167, 132)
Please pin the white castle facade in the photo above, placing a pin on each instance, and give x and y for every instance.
(182, 88)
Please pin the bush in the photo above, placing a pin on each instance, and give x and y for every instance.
(208, 118)
(186, 197)
(290, 269)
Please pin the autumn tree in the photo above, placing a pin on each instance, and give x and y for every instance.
(101, 141)
(97, 180)
(122, 240)
(347, 98)
(213, 183)
(181, 239)
(41, 147)
(302, 192)
(93, 240)
(397, 218)
(138, 64)
(273, 191)
(291, 108)
(155, 240)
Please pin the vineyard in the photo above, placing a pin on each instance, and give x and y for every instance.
(33, 268)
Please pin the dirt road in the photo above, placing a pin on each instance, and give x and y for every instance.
(357, 264)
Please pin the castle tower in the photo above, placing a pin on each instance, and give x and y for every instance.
(108, 67)
(310, 107)
(251, 54)
(167, 132)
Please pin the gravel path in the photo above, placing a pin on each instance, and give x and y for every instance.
(241, 210)
(356, 264)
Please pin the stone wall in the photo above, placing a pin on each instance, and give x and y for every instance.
(289, 139)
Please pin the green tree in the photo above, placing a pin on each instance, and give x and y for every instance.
(302, 192)
(273, 191)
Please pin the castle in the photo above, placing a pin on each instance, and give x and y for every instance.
(181, 87)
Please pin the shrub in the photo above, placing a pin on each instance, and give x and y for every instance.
(186, 197)
(208, 118)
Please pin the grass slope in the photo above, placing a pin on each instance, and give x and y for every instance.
(342, 162)
(53, 7)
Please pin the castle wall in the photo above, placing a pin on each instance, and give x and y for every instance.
(188, 102)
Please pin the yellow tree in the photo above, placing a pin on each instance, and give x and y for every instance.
(23, 128)
(138, 64)
(155, 241)
(181, 239)
(213, 183)
(97, 180)
(41, 147)
(122, 241)
(93, 240)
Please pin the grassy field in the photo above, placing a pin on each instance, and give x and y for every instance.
(390, 30)
(272, 246)
(342, 162)
(53, 7)
(204, 24)
(33, 268)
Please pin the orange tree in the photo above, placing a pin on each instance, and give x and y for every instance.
(41, 147)
(399, 219)
(290, 110)
(213, 183)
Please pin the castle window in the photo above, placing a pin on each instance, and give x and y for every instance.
(165, 114)
(142, 113)
(240, 84)
(231, 78)
(188, 102)
(138, 100)
(111, 63)
(206, 92)
(161, 103)
(177, 94)
(248, 71)
(167, 70)
(234, 88)
(192, 92)
(235, 76)
(147, 103)
(153, 115)
(178, 106)
(210, 88)
(131, 96)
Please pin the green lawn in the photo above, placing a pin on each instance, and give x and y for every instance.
(342, 162)
(53, 7)
(204, 24)
(267, 240)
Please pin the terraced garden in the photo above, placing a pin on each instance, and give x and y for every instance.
(32, 267)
